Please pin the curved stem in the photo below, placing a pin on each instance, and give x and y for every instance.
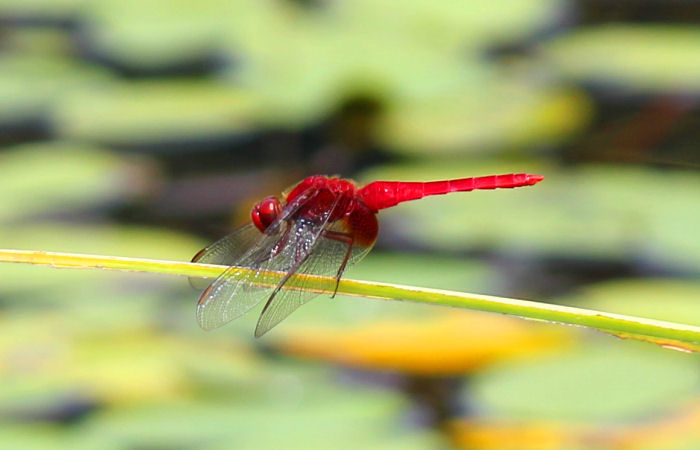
(667, 334)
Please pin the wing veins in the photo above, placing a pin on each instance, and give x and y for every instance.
(216, 298)
(277, 308)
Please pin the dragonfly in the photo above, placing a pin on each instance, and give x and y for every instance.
(321, 226)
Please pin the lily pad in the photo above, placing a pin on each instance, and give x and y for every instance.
(46, 42)
(611, 381)
(146, 35)
(423, 53)
(182, 109)
(117, 365)
(647, 58)
(446, 343)
(39, 10)
(56, 177)
(425, 270)
(447, 25)
(32, 85)
(39, 437)
(486, 112)
(337, 418)
(660, 299)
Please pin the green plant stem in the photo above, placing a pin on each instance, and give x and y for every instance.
(673, 335)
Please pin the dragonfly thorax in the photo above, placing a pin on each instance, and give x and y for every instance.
(324, 196)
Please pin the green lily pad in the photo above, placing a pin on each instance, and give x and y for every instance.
(660, 299)
(311, 62)
(424, 54)
(639, 57)
(31, 85)
(453, 26)
(151, 34)
(485, 113)
(133, 241)
(425, 270)
(61, 176)
(160, 389)
(611, 381)
(46, 42)
(315, 415)
(62, 354)
(179, 109)
(45, 9)
(43, 436)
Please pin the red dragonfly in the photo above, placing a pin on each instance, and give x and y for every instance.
(320, 227)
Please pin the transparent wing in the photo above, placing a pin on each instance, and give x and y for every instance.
(226, 251)
(230, 296)
(334, 244)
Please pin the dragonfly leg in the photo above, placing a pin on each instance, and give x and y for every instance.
(341, 237)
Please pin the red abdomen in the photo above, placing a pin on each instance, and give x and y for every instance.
(385, 194)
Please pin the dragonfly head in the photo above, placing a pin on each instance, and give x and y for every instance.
(266, 212)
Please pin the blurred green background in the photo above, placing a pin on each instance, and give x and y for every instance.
(147, 128)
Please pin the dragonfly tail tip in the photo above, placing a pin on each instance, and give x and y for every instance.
(534, 179)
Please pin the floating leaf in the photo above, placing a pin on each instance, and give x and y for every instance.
(661, 298)
(60, 10)
(146, 34)
(446, 344)
(32, 84)
(60, 177)
(642, 57)
(310, 417)
(489, 111)
(603, 382)
(176, 109)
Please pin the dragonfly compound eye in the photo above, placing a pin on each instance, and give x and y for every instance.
(266, 212)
